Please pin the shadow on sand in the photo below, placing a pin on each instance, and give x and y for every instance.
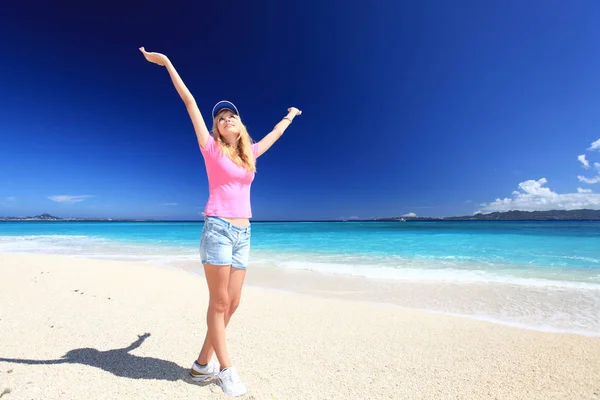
(120, 363)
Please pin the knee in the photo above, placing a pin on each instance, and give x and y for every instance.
(233, 305)
(220, 304)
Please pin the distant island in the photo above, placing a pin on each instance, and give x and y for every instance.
(48, 217)
(553, 215)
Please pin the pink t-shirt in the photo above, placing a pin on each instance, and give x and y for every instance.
(228, 183)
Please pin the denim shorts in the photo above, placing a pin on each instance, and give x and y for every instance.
(223, 243)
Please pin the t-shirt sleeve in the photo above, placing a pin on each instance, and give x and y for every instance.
(209, 148)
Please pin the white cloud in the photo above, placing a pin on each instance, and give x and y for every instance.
(586, 163)
(69, 199)
(589, 180)
(595, 145)
(532, 196)
(169, 204)
(410, 215)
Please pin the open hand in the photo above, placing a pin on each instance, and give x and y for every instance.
(156, 58)
(294, 111)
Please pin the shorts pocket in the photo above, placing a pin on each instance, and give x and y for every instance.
(215, 249)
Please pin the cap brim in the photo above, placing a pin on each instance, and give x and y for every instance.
(222, 105)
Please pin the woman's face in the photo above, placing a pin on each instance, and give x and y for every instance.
(228, 124)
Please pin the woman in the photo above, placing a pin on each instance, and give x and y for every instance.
(230, 159)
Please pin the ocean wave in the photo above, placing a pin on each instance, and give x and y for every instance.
(450, 270)
(95, 247)
(433, 275)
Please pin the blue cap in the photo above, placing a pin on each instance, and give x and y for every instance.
(224, 104)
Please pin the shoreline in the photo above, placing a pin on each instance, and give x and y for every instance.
(438, 298)
(543, 217)
(385, 292)
(91, 316)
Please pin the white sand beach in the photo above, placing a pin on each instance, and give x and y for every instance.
(74, 328)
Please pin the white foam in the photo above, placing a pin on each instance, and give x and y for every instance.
(541, 326)
(432, 275)
(94, 247)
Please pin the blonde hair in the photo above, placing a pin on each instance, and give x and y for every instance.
(240, 152)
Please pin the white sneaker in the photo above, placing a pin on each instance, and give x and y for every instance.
(230, 382)
(201, 374)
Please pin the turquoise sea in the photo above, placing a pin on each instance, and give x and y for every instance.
(543, 275)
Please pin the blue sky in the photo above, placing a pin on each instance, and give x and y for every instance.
(434, 108)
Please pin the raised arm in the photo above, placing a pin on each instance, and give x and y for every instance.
(265, 143)
(189, 101)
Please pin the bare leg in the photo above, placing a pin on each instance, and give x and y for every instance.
(217, 278)
(234, 291)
